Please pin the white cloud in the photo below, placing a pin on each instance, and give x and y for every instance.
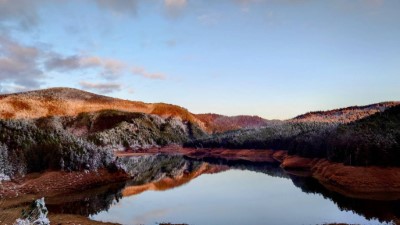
(26, 67)
(20, 64)
(142, 72)
(109, 68)
(20, 12)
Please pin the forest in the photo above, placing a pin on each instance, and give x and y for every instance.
(87, 141)
(373, 140)
(83, 142)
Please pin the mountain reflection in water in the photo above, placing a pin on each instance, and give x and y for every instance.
(165, 172)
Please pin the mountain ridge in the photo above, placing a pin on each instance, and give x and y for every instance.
(71, 102)
(346, 114)
(220, 123)
(62, 101)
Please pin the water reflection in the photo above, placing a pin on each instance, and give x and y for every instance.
(88, 202)
(272, 169)
(166, 172)
(370, 209)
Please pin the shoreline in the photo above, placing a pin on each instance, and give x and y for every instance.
(52, 183)
(16, 194)
(252, 155)
(373, 183)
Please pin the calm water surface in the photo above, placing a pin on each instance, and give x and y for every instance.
(230, 197)
(240, 194)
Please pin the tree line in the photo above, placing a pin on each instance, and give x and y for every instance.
(374, 140)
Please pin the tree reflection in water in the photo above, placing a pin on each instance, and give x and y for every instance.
(163, 172)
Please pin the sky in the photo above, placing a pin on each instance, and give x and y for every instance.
(271, 58)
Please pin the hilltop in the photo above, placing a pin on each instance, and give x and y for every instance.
(371, 140)
(71, 102)
(344, 115)
(220, 123)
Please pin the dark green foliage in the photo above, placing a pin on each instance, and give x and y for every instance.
(84, 142)
(109, 119)
(5, 165)
(138, 130)
(194, 131)
(312, 143)
(374, 140)
(31, 149)
(90, 202)
(151, 168)
(278, 136)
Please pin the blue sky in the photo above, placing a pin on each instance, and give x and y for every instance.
(272, 58)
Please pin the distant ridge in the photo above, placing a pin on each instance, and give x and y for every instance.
(220, 123)
(345, 115)
(62, 101)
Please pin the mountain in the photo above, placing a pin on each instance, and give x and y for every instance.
(73, 130)
(70, 129)
(220, 123)
(71, 102)
(344, 115)
(83, 142)
(371, 140)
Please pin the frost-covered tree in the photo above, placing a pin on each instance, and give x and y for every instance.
(31, 149)
(36, 214)
(5, 166)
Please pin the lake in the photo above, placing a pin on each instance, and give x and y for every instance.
(177, 189)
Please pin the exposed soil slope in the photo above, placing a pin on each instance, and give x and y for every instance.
(57, 182)
(377, 183)
(16, 194)
(64, 219)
